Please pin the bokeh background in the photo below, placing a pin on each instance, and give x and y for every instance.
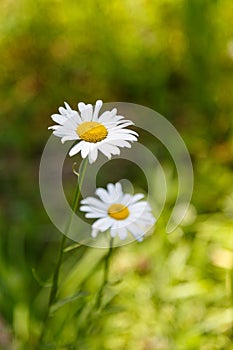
(176, 57)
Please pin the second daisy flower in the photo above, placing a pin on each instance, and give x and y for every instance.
(119, 212)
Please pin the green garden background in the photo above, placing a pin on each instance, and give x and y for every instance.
(175, 56)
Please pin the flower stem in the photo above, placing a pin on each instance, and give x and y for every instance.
(231, 304)
(105, 277)
(55, 281)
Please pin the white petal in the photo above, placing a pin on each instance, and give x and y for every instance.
(85, 149)
(81, 106)
(121, 132)
(90, 209)
(120, 143)
(60, 132)
(125, 137)
(111, 188)
(76, 149)
(76, 117)
(70, 123)
(123, 124)
(137, 197)
(106, 196)
(94, 233)
(122, 232)
(112, 120)
(89, 158)
(87, 113)
(136, 231)
(57, 118)
(102, 193)
(148, 221)
(112, 149)
(69, 109)
(106, 116)
(103, 150)
(69, 138)
(113, 232)
(62, 111)
(95, 215)
(108, 150)
(93, 154)
(98, 106)
(118, 188)
(140, 206)
(115, 226)
(121, 121)
(114, 192)
(53, 127)
(94, 202)
(102, 224)
(126, 200)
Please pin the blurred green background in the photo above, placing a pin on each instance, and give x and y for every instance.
(174, 56)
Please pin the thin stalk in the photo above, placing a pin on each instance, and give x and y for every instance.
(105, 276)
(54, 288)
(231, 296)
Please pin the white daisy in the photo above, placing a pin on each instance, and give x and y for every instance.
(104, 133)
(119, 212)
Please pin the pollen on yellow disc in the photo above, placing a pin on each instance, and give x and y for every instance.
(92, 132)
(118, 211)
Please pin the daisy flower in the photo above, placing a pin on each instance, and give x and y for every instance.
(105, 132)
(121, 213)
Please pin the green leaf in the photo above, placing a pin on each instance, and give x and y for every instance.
(71, 247)
(39, 280)
(65, 301)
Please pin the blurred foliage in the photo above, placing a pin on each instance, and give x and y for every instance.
(175, 56)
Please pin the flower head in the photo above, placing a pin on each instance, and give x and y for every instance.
(121, 213)
(105, 133)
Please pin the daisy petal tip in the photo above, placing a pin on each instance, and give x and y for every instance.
(99, 103)
(94, 233)
(67, 105)
(114, 111)
(71, 153)
(81, 106)
(91, 160)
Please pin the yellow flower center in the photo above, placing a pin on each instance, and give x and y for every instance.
(118, 211)
(92, 132)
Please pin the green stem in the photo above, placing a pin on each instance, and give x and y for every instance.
(54, 288)
(105, 277)
(231, 292)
